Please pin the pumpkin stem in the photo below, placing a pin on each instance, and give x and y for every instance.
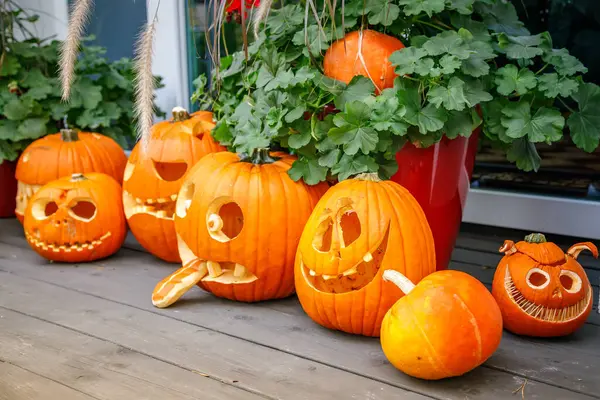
(403, 283)
(508, 247)
(368, 176)
(579, 247)
(535, 238)
(259, 156)
(69, 135)
(78, 177)
(180, 114)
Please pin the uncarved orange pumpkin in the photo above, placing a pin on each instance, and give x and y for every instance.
(153, 179)
(446, 325)
(76, 218)
(238, 223)
(541, 290)
(364, 53)
(359, 228)
(62, 154)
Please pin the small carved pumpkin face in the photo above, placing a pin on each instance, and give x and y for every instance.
(77, 218)
(151, 181)
(238, 224)
(541, 290)
(359, 228)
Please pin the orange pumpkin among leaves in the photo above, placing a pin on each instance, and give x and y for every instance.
(366, 53)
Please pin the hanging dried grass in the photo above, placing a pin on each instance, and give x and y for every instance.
(80, 13)
(144, 82)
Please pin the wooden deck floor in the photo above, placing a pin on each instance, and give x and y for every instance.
(90, 332)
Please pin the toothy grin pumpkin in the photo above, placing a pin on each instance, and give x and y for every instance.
(76, 219)
(238, 223)
(541, 290)
(151, 181)
(360, 227)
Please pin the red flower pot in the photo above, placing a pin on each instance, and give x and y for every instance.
(8, 189)
(439, 177)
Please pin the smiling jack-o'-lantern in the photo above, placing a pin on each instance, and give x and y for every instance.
(360, 227)
(152, 180)
(77, 218)
(238, 223)
(62, 154)
(541, 290)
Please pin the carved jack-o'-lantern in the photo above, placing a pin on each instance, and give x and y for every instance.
(541, 290)
(359, 228)
(152, 180)
(238, 223)
(62, 154)
(77, 218)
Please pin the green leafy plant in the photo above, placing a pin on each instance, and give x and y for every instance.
(30, 96)
(467, 63)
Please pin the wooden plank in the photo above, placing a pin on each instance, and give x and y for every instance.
(130, 277)
(487, 239)
(258, 369)
(19, 384)
(99, 368)
(491, 261)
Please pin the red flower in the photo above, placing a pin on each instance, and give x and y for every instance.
(236, 5)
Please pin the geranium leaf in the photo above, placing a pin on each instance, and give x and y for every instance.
(309, 170)
(524, 154)
(545, 126)
(517, 47)
(452, 97)
(584, 124)
(349, 166)
(406, 59)
(448, 42)
(563, 62)
(551, 85)
(416, 7)
(359, 88)
(510, 79)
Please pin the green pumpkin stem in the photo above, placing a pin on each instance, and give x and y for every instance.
(535, 238)
(69, 135)
(180, 114)
(259, 156)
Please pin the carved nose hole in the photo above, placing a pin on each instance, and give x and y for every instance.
(170, 171)
(557, 293)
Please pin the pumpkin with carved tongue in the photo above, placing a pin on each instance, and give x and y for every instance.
(238, 222)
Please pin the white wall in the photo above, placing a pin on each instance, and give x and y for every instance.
(170, 53)
(53, 14)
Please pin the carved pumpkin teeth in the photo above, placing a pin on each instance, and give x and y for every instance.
(352, 270)
(328, 277)
(368, 257)
(161, 214)
(138, 200)
(150, 201)
(239, 271)
(214, 269)
(161, 200)
(542, 312)
(174, 197)
(312, 273)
